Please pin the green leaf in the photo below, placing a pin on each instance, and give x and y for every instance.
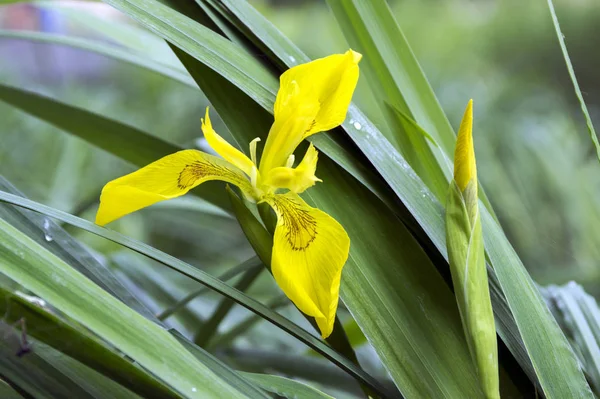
(391, 67)
(285, 387)
(126, 142)
(203, 44)
(55, 239)
(121, 32)
(77, 343)
(234, 378)
(398, 85)
(167, 70)
(95, 384)
(38, 270)
(563, 47)
(262, 33)
(47, 373)
(7, 392)
(31, 375)
(200, 277)
(579, 316)
(421, 148)
(555, 364)
(305, 368)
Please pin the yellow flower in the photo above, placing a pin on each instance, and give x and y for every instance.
(309, 247)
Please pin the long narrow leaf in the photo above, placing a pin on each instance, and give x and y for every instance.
(398, 83)
(200, 277)
(563, 48)
(110, 51)
(46, 373)
(126, 142)
(217, 52)
(55, 239)
(148, 344)
(285, 387)
(79, 344)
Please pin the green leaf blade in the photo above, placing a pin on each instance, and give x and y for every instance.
(67, 290)
(584, 110)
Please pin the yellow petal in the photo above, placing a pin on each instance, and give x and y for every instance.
(309, 250)
(296, 179)
(312, 98)
(169, 177)
(286, 133)
(224, 149)
(464, 155)
(330, 81)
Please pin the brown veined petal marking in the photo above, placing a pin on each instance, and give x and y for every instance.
(169, 177)
(310, 249)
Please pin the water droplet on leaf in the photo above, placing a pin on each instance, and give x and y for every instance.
(47, 235)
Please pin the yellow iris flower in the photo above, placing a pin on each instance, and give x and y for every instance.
(309, 247)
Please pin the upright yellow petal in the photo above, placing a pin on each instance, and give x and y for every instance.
(309, 250)
(224, 149)
(287, 132)
(318, 93)
(296, 179)
(330, 81)
(169, 177)
(464, 155)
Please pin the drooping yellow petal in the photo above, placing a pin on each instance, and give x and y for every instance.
(169, 177)
(464, 155)
(224, 149)
(318, 93)
(309, 250)
(296, 179)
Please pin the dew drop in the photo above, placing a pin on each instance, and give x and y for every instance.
(292, 59)
(357, 125)
(47, 235)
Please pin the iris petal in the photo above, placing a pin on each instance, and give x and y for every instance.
(310, 249)
(296, 179)
(169, 177)
(224, 149)
(312, 98)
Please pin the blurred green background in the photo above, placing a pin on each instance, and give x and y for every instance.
(534, 155)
